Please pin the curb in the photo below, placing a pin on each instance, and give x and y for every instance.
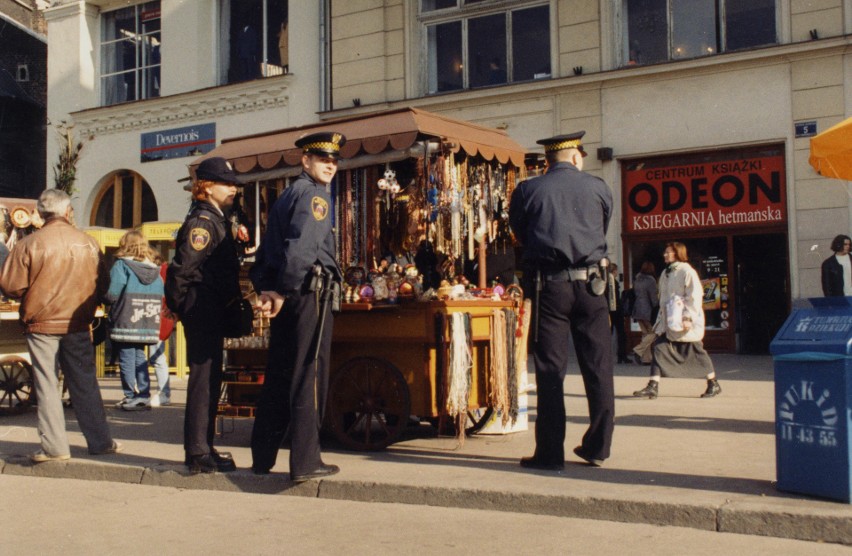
(783, 519)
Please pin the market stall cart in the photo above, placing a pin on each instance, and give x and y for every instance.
(18, 218)
(420, 202)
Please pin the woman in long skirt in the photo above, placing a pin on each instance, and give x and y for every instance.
(679, 350)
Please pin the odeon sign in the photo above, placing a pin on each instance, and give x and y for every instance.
(742, 192)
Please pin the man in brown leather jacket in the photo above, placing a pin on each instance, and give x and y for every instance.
(59, 274)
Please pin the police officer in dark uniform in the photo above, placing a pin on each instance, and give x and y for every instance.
(295, 271)
(201, 280)
(561, 218)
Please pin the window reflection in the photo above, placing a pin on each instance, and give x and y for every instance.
(662, 30)
(487, 50)
(130, 53)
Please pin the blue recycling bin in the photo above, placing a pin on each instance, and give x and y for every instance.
(813, 389)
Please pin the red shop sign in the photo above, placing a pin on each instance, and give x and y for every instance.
(718, 194)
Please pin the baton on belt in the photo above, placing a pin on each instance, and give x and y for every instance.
(324, 293)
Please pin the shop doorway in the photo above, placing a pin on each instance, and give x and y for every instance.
(761, 285)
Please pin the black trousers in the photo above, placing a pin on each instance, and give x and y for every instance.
(617, 320)
(294, 388)
(569, 308)
(204, 351)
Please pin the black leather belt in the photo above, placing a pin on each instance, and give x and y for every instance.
(581, 274)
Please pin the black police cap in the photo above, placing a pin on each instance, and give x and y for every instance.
(560, 142)
(324, 143)
(217, 169)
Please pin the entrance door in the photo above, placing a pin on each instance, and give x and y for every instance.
(762, 289)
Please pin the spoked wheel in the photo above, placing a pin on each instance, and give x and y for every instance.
(477, 419)
(369, 404)
(17, 391)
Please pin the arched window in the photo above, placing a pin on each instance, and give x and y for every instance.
(125, 201)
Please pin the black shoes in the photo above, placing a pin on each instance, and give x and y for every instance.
(201, 464)
(533, 463)
(594, 462)
(223, 462)
(322, 471)
(713, 388)
(623, 360)
(651, 391)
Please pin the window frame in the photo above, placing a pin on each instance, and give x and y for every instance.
(115, 185)
(720, 30)
(463, 12)
(142, 66)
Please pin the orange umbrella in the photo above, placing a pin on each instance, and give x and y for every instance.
(831, 151)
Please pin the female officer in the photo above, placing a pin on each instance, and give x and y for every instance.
(202, 279)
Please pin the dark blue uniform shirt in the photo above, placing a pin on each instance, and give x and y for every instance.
(205, 272)
(298, 235)
(562, 217)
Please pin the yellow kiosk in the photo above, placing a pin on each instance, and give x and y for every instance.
(161, 235)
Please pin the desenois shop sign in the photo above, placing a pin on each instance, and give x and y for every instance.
(712, 191)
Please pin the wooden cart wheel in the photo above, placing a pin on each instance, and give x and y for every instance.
(477, 419)
(17, 392)
(369, 404)
(475, 422)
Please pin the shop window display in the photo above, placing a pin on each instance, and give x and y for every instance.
(709, 257)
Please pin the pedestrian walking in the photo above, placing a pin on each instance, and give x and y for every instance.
(157, 352)
(201, 281)
(645, 305)
(836, 271)
(136, 296)
(296, 271)
(60, 276)
(561, 218)
(678, 349)
(616, 313)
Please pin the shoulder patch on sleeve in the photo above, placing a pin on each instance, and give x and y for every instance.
(199, 238)
(319, 208)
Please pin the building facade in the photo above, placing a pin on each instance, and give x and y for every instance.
(697, 113)
(150, 86)
(23, 99)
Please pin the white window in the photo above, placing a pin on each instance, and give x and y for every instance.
(254, 35)
(480, 43)
(130, 53)
(662, 30)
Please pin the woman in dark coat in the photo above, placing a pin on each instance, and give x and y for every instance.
(647, 299)
(837, 269)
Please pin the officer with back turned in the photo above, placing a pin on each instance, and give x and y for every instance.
(561, 218)
(297, 272)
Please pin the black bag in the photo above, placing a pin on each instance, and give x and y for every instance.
(628, 301)
(98, 330)
(239, 318)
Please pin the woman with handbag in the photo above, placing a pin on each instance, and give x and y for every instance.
(136, 295)
(679, 350)
(202, 280)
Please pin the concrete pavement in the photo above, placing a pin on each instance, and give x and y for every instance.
(678, 460)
